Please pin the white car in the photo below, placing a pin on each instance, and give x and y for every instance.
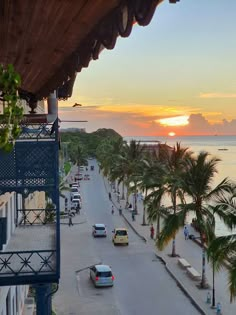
(75, 185)
(99, 229)
(74, 192)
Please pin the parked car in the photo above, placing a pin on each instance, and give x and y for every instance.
(75, 185)
(74, 192)
(76, 204)
(120, 236)
(75, 197)
(99, 229)
(78, 176)
(102, 276)
(74, 189)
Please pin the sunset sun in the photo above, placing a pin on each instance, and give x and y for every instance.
(171, 134)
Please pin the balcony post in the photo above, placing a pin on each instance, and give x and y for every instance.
(43, 299)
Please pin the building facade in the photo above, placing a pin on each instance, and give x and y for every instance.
(14, 299)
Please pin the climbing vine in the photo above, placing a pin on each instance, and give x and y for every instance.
(11, 114)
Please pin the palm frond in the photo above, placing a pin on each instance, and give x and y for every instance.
(232, 281)
(171, 226)
(222, 248)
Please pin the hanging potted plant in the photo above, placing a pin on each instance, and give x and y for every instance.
(12, 113)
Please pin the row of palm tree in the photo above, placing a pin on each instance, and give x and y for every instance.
(187, 179)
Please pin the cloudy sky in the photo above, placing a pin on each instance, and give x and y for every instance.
(176, 75)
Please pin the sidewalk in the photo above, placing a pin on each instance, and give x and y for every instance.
(189, 250)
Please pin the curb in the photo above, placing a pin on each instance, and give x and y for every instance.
(181, 286)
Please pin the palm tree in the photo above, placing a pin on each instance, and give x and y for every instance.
(155, 189)
(174, 160)
(77, 154)
(223, 248)
(105, 156)
(134, 153)
(197, 184)
(144, 183)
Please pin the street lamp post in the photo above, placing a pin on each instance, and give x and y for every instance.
(213, 283)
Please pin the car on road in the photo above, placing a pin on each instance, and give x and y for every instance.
(74, 189)
(75, 185)
(78, 176)
(120, 236)
(102, 276)
(99, 229)
(74, 192)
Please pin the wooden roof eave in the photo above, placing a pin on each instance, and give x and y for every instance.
(119, 22)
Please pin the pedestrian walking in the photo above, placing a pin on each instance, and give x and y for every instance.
(218, 309)
(186, 232)
(133, 216)
(109, 194)
(152, 232)
(77, 208)
(70, 218)
(66, 203)
(112, 210)
(120, 211)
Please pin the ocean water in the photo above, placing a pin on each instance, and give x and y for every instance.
(223, 147)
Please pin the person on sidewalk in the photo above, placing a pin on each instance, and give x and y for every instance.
(66, 203)
(186, 232)
(133, 216)
(112, 210)
(77, 208)
(120, 211)
(109, 194)
(70, 218)
(152, 232)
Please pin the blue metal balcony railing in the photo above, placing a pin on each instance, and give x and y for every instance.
(36, 216)
(29, 167)
(32, 254)
(25, 265)
(37, 132)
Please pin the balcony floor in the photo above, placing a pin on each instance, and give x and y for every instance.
(27, 238)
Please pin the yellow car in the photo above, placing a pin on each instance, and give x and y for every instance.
(120, 236)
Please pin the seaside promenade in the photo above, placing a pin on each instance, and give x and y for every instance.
(191, 252)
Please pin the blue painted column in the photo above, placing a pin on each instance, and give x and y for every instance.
(43, 299)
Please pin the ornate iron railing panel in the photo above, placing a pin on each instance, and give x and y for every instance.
(29, 167)
(36, 216)
(32, 265)
(37, 132)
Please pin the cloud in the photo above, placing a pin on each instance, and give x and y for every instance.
(217, 95)
(144, 120)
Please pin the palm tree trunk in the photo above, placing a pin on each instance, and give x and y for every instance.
(173, 254)
(203, 283)
(158, 223)
(135, 200)
(144, 210)
(123, 191)
(127, 195)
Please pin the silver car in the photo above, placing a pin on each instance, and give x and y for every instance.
(99, 229)
(102, 276)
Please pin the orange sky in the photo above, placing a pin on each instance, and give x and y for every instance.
(175, 75)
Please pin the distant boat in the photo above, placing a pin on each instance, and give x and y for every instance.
(223, 149)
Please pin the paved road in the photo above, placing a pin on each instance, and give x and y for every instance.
(142, 284)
